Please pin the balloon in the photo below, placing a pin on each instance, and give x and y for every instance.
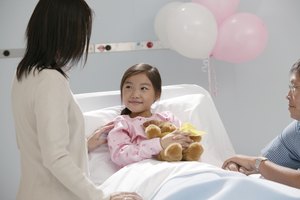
(241, 37)
(221, 9)
(161, 20)
(192, 32)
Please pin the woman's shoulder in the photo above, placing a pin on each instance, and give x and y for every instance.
(50, 74)
(49, 82)
(50, 78)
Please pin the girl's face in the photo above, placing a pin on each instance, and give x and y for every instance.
(138, 95)
(294, 96)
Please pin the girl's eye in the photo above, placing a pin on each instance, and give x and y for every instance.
(144, 88)
(127, 86)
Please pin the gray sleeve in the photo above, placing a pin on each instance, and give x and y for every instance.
(284, 150)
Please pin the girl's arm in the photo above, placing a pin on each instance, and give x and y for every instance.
(99, 137)
(125, 150)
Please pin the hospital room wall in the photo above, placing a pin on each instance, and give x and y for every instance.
(250, 96)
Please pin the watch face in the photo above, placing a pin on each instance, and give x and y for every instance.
(258, 161)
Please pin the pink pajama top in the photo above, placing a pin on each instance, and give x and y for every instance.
(127, 141)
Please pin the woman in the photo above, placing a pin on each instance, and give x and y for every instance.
(282, 155)
(48, 122)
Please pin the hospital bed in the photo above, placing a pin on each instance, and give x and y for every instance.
(156, 180)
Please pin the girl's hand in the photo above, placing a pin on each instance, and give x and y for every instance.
(176, 137)
(99, 136)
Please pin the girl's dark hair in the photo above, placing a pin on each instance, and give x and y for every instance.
(151, 72)
(58, 34)
(296, 68)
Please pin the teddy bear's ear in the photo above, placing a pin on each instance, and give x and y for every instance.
(152, 131)
(167, 127)
(147, 123)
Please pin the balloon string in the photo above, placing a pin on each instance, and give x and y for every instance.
(212, 80)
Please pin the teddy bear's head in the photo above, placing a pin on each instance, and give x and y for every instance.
(155, 128)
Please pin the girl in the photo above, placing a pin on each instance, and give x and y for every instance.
(140, 88)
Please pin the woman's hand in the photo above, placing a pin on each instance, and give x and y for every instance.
(176, 137)
(98, 137)
(126, 196)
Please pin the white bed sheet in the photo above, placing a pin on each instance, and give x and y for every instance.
(155, 180)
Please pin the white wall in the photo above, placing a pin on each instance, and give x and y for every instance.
(250, 98)
(262, 85)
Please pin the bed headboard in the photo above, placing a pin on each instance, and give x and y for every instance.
(99, 100)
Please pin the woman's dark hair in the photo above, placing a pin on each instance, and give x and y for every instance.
(295, 68)
(58, 34)
(151, 72)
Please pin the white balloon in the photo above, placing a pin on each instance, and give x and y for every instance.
(192, 30)
(161, 20)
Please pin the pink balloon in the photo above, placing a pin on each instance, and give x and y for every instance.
(221, 9)
(241, 37)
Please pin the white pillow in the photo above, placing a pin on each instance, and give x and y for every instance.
(97, 118)
(100, 165)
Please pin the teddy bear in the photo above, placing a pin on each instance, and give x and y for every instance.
(175, 152)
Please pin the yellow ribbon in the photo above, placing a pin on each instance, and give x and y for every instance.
(188, 127)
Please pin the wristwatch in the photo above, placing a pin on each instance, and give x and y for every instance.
(258, 161)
